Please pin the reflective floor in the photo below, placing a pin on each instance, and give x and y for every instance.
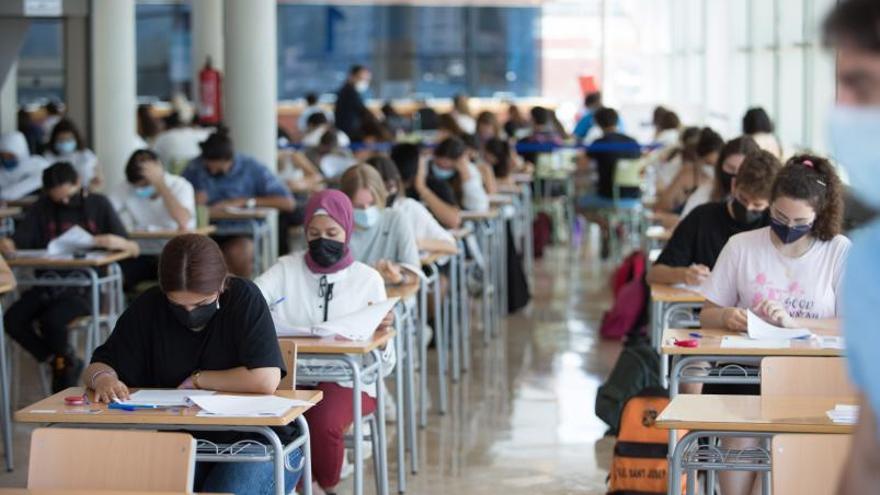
(521, 421)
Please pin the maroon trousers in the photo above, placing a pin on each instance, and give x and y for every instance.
(328, 421)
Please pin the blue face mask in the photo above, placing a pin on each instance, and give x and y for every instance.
(788, 234)
(9, 163)
(853, 137)
(442, 173)
(366, 217)
(65, 147)
(145, 192)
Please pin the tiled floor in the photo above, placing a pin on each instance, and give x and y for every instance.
(521, 421)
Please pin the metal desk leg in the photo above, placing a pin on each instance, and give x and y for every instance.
(258, 246)
(357, 426)
(410, 335)
(7, 407)
(440, 341)
(382, 460)
(307, 455)
(399, 372)
(423, 355)
(465, 301)
(95, 326)
(454, 320)
(486, 311)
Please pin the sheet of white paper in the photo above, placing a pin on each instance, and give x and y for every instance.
(31, 253)
(235, 405)
(284, 329)
(844, 414)
(831, 342)
(655, 230)
(737, 342)
(692, 288)
(760, 329)
(415, 270)
(165, 398)
(333, 166)
(74, 239)
(246, 211)
(359, 325)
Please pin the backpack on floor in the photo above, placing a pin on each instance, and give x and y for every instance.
(639, 465)
(630, 298)
(542, 231)
(637, 369)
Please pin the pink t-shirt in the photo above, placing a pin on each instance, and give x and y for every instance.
(750, 270)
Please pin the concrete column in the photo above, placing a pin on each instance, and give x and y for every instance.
(250, 90)
(114, 91)
(77, 74)
(207, 38)
(9, 100)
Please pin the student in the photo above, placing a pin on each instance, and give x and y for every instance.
(350, 109)
(729, 160)
(20, 172)
(690, 254)
(666, 127)
(53, 116)
(66, 145)
(592, 103)
(429, 234)
(488, 127)
(461, 112)
(316, 126)
(498, 155)
(147, 125)
(543, 133)
(461, 178)
(789, 273)
(693, 173)
(312, 108)
(179, 142)
(448, 128)
(381, 238)
(517, 126)
(322, 284)
(419, 185)
(757, 124)
(671, 161)
(63, 204)
(222, 179)
(199, 329)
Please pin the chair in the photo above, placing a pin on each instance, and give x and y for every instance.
(79, 459)
(288, 353)
(805, 377)
(808, 464)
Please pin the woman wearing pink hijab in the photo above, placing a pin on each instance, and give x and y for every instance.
(322, 284)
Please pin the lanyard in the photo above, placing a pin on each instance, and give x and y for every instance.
(325, 290)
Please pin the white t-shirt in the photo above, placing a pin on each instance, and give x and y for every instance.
(139, 213)
(465, 122)
(751, 270)
(84, 161)
(668, 171)
(354, 288)
(422, 223)
(701, 195)
(180, 145)
(313, 138)
(474, 197)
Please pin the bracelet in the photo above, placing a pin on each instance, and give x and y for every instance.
(98, 374)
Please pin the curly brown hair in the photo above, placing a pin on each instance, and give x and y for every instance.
(813, 179)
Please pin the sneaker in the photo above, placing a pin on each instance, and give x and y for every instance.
(66, 371)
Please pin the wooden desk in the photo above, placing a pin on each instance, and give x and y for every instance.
(169, 234)
(23, 202)
(26, 491)
(752, 413)
(241, 214)
(669, 294)
(480, 215)
(107, 258)
(4, 288)
(710, 344)
(500, 200)
(53, 410)
(9, 211)
(330, 345)
(667, 302)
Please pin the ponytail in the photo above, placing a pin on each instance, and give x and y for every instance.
(813, 179)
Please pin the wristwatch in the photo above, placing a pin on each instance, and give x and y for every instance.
(250, 203)
(194, 378)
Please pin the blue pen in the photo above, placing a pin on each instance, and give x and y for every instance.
(696, 335)
(276, 303)
(129, 407)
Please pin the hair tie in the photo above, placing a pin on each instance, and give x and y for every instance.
(808, 163)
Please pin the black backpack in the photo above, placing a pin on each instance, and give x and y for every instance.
(637, 369)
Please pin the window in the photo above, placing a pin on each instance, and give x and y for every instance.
(41, 64)
(163, 50)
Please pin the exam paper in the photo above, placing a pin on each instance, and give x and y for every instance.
(760, 329)
(737, 342)
(358, 326)
(164, 398)
(844, 414)
(73, 239)
(237, 405)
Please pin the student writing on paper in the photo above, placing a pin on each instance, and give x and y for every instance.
(67, 145)
(788, 273)
(222, 179)
(320, 285)
(691, 253)
(63, 205)
(381, 237)
(421, 186)
(200, 329)
(152, 199)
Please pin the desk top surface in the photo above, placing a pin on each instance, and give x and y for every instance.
(480, 215)
(106, 259)
(9, 211)
(170, 234)
(331, 345)
(668, 293)
(710, 344)
(53, 410)
(4, 288)
(753, 413)
(46, 491)
(23, 202)
(242, 214)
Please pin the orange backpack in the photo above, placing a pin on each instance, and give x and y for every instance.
(639, 465)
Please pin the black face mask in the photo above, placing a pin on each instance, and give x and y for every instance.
(726, 180)
(326, 252)
(75, 202)
(788, 234)
(198, 317)
(743, 215)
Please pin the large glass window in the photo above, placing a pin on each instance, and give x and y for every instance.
(163, 50)
(40, 63)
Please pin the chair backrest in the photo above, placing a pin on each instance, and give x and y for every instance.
(805, 376)
(80, 459)
(288, 353)
(808, 464)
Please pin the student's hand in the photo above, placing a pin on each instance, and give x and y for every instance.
(187, 384)
(735, 319)
(696, 274)
(111, 242)
(421, 179)
(387, 322)
(775, 313)
(7, 246)
(154, 172)
(109, 388)
(391, 272)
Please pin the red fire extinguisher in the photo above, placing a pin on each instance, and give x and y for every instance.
(210, 95)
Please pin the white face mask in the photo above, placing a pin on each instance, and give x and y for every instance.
(853, 138)
(362, 86)
(366, 217)
(709, 170)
